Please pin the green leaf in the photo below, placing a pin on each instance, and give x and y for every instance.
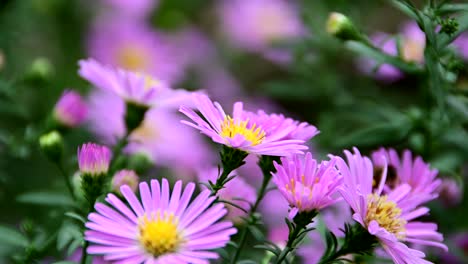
(452, 8)
(405, 8)
(67, 233)
(45, 198)
(459, 104)
(381, 57)
(12, 237)
(76, 217)
(378, 134)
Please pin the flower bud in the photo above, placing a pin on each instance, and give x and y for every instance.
(125, 177)
(342, 27)
(94, 159)
(52, 145)
(41, 69)
(70, 110)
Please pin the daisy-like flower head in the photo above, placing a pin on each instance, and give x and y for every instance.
(134, 87)
(70, 110)
(94, 159)
(306, 184)
(407, 170)
(162, 228)
(241, 131)
(389, 217)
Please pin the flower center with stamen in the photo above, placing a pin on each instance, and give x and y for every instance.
(300, 189)
(158, 233)
(132, 58)
(386, 213)
(232, 128)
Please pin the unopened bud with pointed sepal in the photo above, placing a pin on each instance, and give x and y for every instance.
(342, 27)
(52, 145)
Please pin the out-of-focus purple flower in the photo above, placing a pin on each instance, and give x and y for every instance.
(450, 192)
(240, 131)
(70, 110)
(414, 172)
(134, 46)
(313, 249)
(133, 87)
(461, 43)
(125, 177)
(236, 191)
(257, 24)
(161, 136)
(307, 185)
(413, 44)
(94, 159)
(164, 227)
(390, 217)
(134, 9)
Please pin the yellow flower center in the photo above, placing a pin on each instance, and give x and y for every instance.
(145, 132)
(231, 128)
(158, 234)
(386, 213)
(300, 189)
(132, 58)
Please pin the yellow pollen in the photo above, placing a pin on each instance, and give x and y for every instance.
(386, 213)
(132, 58)
(158, 233)
(231, 128)
(144, 133)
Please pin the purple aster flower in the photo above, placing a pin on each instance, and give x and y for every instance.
(241, 130)
(301, 131)
(256, 24)
(125, 177)
(76, 257)
(389, 217)
(94, 159)
(307, 185)
(70, 110)
(162, 227)
(131, 86)
(236, 191)
(135, 9)
(134, 46)
(414, 172)
(161, 136)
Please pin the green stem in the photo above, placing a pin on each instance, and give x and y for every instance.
(67, 180)
(84, 253)
(292, 237)
(336, 255)
(117, 151)
(266, 168)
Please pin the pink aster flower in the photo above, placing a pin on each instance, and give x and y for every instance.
(241, 130)
(302, 130)
(407, 170)
(236, 191)
(94, 159)
(131, 86)
(125, 177)
(70, 110)
(307, 185)
(134, 46)
(389, 217)
(256, 24)
(461, 43)
(159, 228)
